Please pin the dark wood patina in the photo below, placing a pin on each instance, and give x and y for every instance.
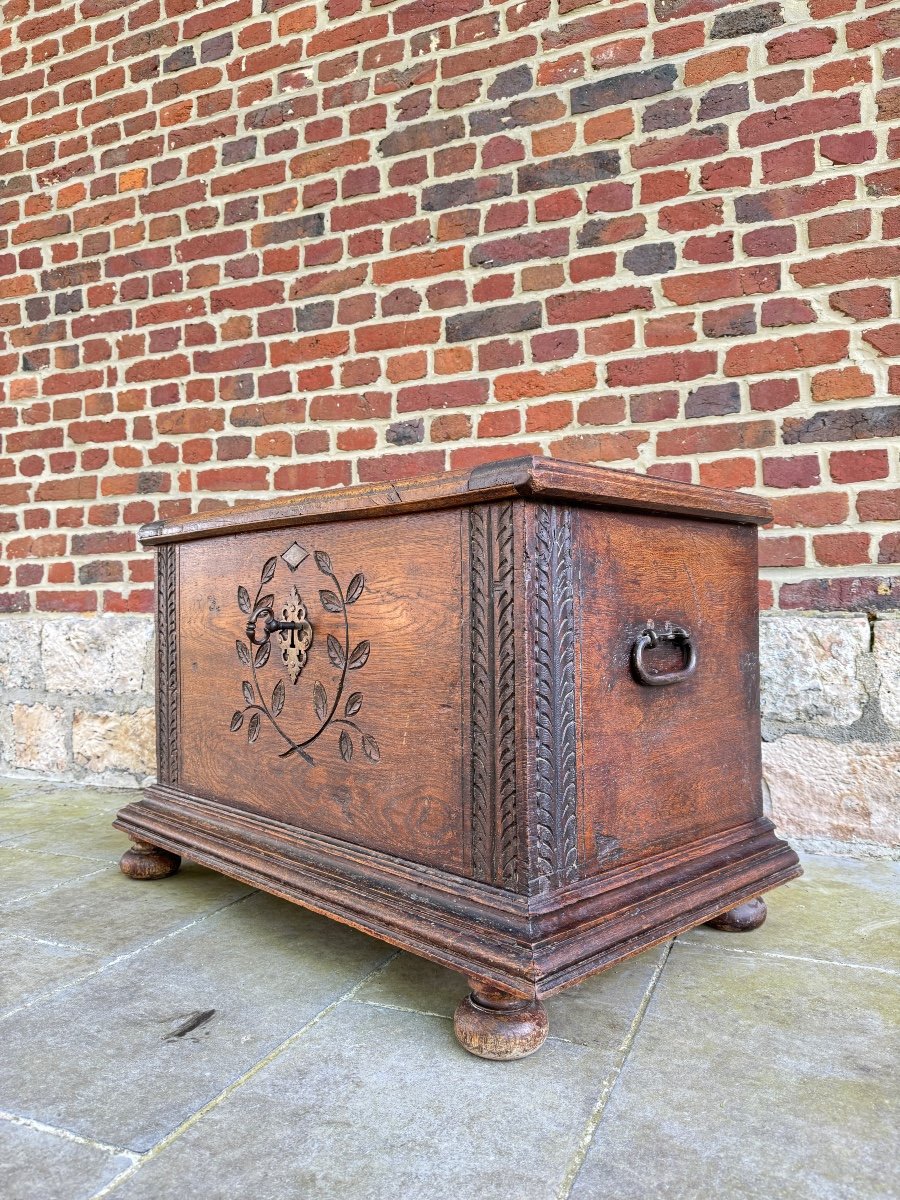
(506, 719)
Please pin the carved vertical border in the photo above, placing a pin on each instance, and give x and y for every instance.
(167, 664)
(555, 721)
(495, 852)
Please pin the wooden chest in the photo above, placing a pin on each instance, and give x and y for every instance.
(506, 719)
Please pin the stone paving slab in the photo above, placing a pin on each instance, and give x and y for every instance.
(24, 874)
(31, 967)
(36, 1164)
(752, 1078)
(384, 1104)
(111, 1058)
(839, 910)
(109, 913)
(191, 1037)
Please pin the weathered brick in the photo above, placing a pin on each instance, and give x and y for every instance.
(744, 21)
(713, 400)
(562, 172)
(493, 322)
(843, 425)
(465, 191)
(424, 136)
(621, 89)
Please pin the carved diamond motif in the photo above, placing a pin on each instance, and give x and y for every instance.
(295, 555)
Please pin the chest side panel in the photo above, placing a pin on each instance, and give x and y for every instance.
(340, 711)
(664, 765)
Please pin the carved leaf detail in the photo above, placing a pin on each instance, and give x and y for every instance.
(346, 745)
(493, 661)
(335, 652)
(359, 657)
(167, 664)
(294, 637)
(370, 748)
(507, 851)
(482, 700)
(555, 695)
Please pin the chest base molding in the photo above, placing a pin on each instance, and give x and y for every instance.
(529, 946)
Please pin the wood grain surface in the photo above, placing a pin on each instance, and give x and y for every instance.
(664, 765)
(410, 800)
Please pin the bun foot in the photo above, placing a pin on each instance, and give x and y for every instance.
(742, 919)
(144, 861)
(493, 1024)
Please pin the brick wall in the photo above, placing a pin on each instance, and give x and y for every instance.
(266, 246)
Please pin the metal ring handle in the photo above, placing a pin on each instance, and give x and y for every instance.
(649, 640)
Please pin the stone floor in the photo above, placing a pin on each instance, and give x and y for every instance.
(191, 1037)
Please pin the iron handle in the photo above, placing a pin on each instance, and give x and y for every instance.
(649, 640)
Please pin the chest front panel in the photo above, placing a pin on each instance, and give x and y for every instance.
(320, 680)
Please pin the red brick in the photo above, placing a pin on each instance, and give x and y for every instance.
(418, 266)
(794, 120)
(782, 551)
(841, 549)
(728, 473)
(855, 466)
(600, 447)
(801, 471)
(787, 354)
(862, 304)
(422, 332)
(717, 438)
(661, 368)
(868, 263)
(804, 43)
(449, 394)
(886, 340)
(590, 306)
(879, 505)
(837, 228)
(718, 285)
(859, 594)
(390, 467)
(301, 477)
(532, 384)
(845, 383)
(813, 509)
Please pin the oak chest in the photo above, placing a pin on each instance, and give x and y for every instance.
(506, 719)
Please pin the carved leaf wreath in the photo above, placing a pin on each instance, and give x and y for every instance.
(336, 602)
